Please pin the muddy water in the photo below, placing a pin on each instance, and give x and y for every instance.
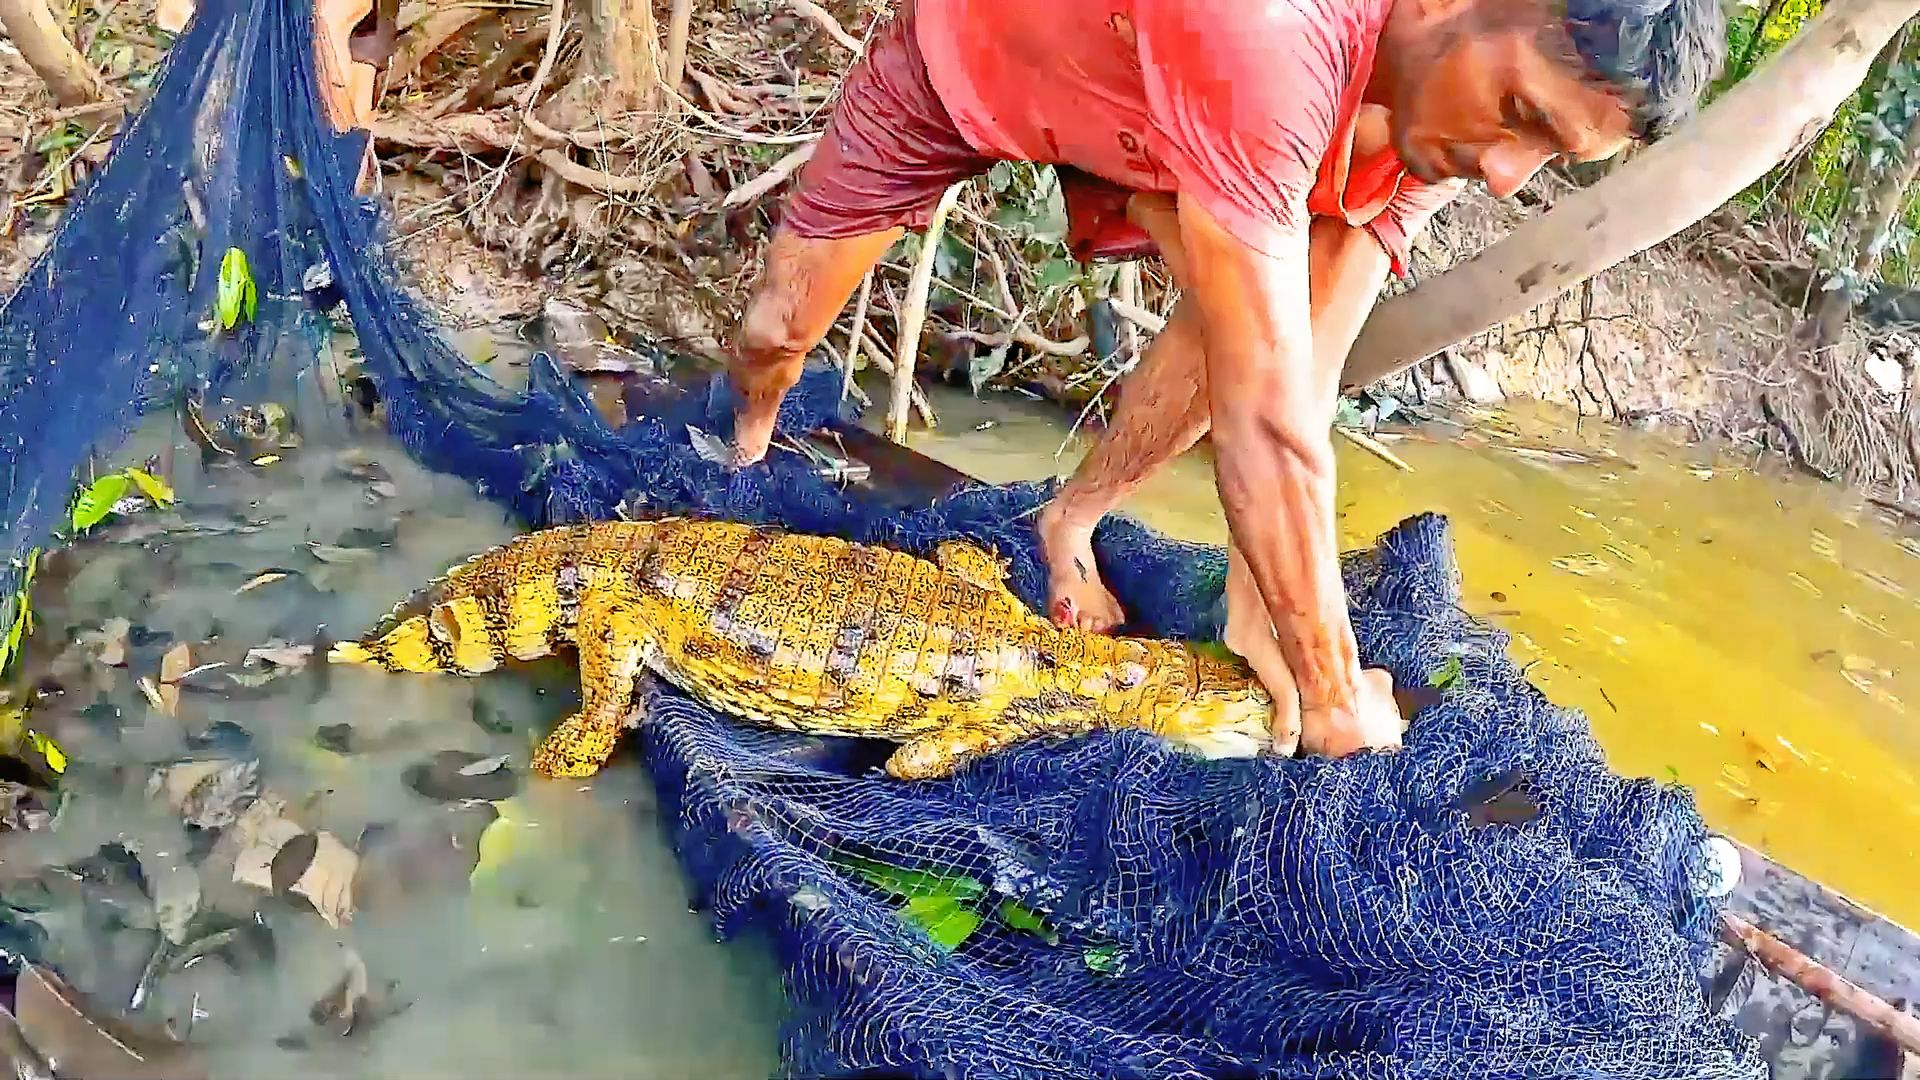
(507, 928)
(1746, 633)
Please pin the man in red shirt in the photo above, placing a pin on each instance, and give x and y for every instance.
(1278, 154)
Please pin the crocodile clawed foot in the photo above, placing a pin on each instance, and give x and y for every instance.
(576, 749)
(930, 757)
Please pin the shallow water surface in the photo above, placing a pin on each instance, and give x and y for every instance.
(1747, 633)
(571, 952)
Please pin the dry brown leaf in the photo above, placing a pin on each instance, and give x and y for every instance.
(176, 895)
(263, 827)
(258, 580)
(162, 696)
(281, 655)
(326, 878)
(80, 1037)
(206, 794)
(110, 641)
(176, 663)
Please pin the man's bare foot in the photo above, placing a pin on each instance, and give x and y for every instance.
(752, 432)
(1076, 597)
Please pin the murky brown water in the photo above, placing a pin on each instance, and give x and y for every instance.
(571, 953)
(1746, 632)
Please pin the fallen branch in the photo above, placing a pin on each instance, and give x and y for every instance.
(1823, 983)
(1022, 336)
(914, 316)
(36, 33)
(825, 20)
(468, 132)
(429, 37)
(1375, 447)
(1127, 291)
(556, 25)
(775, 175)
(679, 25)
(856, 333)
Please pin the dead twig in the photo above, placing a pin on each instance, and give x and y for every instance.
(1137, 315)
(1375, 447)
(825, 20)
(775, 175)
(556, 25)
(914, 316)
(857, 332)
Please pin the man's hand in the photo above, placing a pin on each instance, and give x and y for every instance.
(1372, 722)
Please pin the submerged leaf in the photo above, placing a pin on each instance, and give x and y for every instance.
(95, 503)
(151, 486)
(84, 1037)
(50, 750)
(236, 289)
(1448, 674)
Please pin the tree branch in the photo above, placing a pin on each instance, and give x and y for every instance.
(44, 46)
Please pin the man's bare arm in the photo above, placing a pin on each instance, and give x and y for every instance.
(1272, 396)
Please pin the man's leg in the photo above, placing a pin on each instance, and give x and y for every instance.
(1162, 413)
(805, 284)
(889, 152)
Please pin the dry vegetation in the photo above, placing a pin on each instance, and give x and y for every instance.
(527, 157)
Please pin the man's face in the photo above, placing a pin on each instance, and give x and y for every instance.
(1495, 106)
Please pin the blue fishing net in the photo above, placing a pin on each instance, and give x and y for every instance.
(1102, 907)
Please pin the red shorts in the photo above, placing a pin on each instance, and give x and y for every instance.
(890, 151)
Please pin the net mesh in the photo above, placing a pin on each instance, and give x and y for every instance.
(1128, 911)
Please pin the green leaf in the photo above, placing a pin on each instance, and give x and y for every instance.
(1000, 177)
(1673, 775)
(912, 883)
(96, 502)
(1103, 959)
(1057, 272)
(56, 757)
(947, 920)
(151, 486)
(1448, 674)
(1021, 917)
(236, 293)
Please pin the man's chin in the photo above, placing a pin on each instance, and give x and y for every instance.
(1422, 166)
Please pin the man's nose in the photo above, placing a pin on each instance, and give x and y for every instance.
(1508, 167)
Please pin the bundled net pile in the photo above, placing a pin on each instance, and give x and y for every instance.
(1099, 908)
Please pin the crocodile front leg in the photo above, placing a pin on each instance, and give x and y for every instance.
(940, 753)
(613, 646)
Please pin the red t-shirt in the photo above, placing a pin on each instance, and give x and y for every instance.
(1250, 106)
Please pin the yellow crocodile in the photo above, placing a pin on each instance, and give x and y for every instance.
(809, 634)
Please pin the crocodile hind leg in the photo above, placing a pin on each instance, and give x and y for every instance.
(941, 752)
(613, 646)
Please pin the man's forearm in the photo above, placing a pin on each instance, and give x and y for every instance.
(1272, 400)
